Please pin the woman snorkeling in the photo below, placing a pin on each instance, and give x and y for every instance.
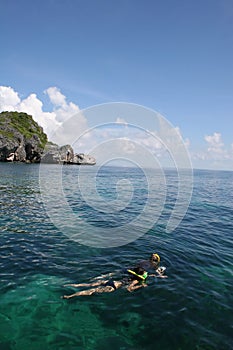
(137, 279)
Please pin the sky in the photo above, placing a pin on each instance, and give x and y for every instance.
(175, 57)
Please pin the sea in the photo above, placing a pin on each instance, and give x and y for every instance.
(39, 257)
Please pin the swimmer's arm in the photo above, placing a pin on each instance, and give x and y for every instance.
(135, 285)
(158, 276)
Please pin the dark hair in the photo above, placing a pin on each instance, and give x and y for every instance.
(139, 270)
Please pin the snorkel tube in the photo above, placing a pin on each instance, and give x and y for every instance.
(141, 277)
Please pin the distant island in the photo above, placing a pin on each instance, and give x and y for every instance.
(23, 140)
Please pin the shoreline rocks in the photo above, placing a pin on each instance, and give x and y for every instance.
(65, 155)
(23, 140)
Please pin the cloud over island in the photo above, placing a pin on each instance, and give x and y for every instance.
(214, 155)
(50, 121)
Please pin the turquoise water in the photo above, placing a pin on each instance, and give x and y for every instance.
(191, 309)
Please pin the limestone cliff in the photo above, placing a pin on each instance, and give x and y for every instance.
(21, 138)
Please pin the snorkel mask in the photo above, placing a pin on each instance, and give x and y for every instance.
(161, 270)
(155, 257)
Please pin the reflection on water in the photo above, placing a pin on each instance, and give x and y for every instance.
(189, 310)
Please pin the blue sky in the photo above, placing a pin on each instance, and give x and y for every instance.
(175, 57)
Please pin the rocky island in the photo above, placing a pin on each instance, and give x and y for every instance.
(23, 140)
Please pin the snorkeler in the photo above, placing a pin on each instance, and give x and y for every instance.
(151, 263)
(137, 279)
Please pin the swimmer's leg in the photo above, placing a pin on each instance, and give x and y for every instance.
(82, 292)
(106, 289)
(94, 284)
(78, 285)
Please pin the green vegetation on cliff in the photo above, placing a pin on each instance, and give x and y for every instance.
(23, 140)
(12, 123)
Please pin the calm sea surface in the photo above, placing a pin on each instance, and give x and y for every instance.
(191, 309)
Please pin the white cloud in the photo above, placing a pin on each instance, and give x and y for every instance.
(216, 155)
(130, 141)
(216, 147)
(8, 98)
(51, 122)
(55, 96)
(61, 108)
(128, 146)
(121, 121)
(34, 107)
(214, 141)
(71, 129)
(65, 123)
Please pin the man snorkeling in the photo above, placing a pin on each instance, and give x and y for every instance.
(151, 263)
(137, 279)
(154, 263)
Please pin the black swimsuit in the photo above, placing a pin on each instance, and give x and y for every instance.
(111, 284)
